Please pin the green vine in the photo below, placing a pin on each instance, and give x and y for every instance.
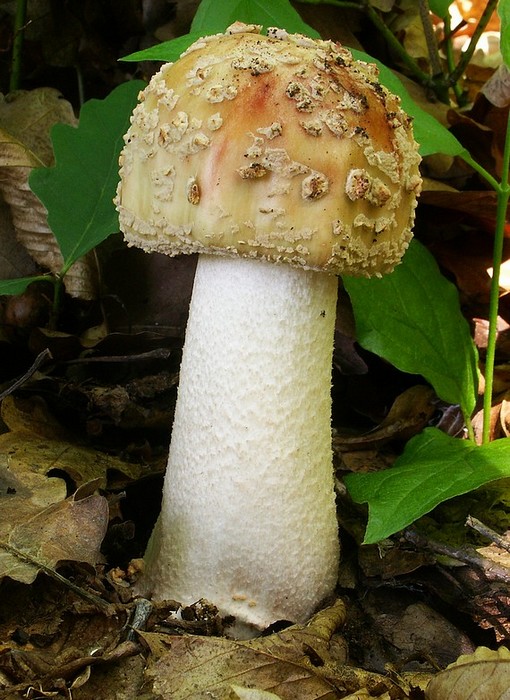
(20, 20)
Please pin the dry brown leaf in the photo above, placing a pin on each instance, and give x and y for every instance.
(36, 519)
(28, 117)
(25, 122)
(31, 415)
(504, 414)
(484, 675)
(293, 663)
(410, 413)
(243, 693)
(23, 451)
(38, 528)
(471, 11)
(14, 259)
(496, 554)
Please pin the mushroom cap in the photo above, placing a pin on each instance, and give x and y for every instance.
(277, 147)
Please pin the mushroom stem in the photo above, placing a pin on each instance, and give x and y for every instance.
(248, 519)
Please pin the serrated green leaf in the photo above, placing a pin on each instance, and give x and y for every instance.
(433, 468)
(412, 318)
(78, 191)
(504, 42)
(216, 15)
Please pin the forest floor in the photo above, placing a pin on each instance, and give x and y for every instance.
(86, 409)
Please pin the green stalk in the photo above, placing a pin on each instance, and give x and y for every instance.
(58, 289)
(20, 20)
(503, 191)
(449, 57)
(466, 55)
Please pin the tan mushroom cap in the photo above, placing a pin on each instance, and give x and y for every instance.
(277, 147)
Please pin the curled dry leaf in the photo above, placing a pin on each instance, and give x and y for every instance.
(484, 675)
(25, 122)
(409, 414)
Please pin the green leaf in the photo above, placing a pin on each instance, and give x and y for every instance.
(168, 51)
(433, 468)
(431, 135)
(19, 284)
(440, 7)
(504, 42)
(216, 15)
(412, 318)
(78, 191)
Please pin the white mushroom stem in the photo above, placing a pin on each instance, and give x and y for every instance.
(248, 518)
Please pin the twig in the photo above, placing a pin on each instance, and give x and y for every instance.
(449, 56)
(465, 555)
(139, 617)
(17, 48)
(39, 360)
(488, 532)
(156, 354)
(81, 592)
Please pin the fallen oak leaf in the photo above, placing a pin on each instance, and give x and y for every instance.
(484, 675)
(34, 538)
(280, 663)
(305, 661)
(25, 451)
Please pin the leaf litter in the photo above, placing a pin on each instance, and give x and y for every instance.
(69, 420)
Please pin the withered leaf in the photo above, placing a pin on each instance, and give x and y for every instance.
(25, 451)
(484, 675)
(293, 663)
(409, 414)
(38, 525)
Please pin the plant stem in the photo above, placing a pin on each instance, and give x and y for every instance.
(17, 47)
(466, 55)
(430, 38)
(58, 287)
(503, 191)
(449, 57)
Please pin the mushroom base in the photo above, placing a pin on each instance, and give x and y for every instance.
(248, 517)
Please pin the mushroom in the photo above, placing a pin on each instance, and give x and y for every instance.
(284, 163)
